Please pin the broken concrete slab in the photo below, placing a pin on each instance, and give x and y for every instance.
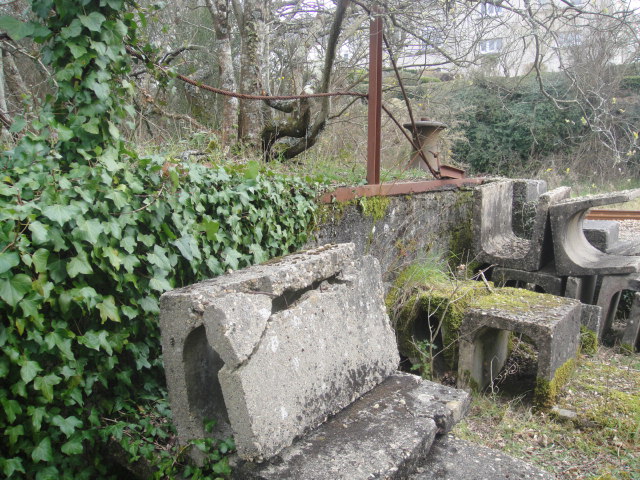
(602, 234)
(581, 288)
(495, 241)
(386, 433)
(551, 322)
(574, 255)
(314, 358)
(272, 350)
(454, 459)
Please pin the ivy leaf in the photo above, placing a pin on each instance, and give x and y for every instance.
(231, 257)
(211, 228)
(11, 409)
(13, 433)
(59, 213)
(14, 288)
(43, 452)
(252, 170)
(16, 29)
(108, 310)
(77, 50)
(66, 425)
(93, 21)
(72, 447)
(48, 473)
(96, 340)
(188, 247)
(160, 284)
(29, 370)
(39, 259)
(79, 265)
(39, 232)
(45, 385)
(12, 465)
(73, 30)
(8, 260)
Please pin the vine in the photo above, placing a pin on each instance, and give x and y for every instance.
(90, 236)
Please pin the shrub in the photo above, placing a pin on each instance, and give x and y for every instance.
(85, 255)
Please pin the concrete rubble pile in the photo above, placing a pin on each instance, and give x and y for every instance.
(297, 359)
(555, 250)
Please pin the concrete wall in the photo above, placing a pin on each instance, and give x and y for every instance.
(402, 229)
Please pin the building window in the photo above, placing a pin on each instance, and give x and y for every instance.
(569, 39)
(490, 10)
(493, 45)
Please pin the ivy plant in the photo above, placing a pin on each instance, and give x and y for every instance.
(90, 235)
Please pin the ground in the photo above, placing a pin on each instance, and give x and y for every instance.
(603, 440)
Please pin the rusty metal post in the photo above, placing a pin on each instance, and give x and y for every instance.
(375, 97)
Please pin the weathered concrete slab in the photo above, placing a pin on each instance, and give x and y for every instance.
(609, 295)
(495, 241)
(625, 248)
(454, 459)
(551, 322)
(526, 193)
(544, 279)
(313, 359)
(387, 433)
(274, 349)
(602, 234)
(574, 255)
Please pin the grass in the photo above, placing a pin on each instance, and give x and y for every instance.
(601, 443)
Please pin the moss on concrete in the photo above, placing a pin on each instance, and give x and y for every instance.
(546, 391)
(517, 299)
(332, 212)
(374, 207)
(588, 341)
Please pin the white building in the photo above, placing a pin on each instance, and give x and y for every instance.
(513, 37)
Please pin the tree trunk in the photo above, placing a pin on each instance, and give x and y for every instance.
(249, 115)
(219, 10)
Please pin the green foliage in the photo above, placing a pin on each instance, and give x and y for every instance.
(85, 255)
(631, 82)
(510, 123)
(90, 236)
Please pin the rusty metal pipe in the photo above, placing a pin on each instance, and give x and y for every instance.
(375, 97)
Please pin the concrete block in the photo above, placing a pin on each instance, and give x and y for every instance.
(552, 323)
(591, 317)
(387, 433)
(272, 350)
(495, 241)
(526, 194)
(602, 234)
(609, 296)
(581, 288)
(631, 334)
(545, 280)
(574, 255)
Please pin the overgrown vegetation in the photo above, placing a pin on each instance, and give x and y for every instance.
(598, 443)
(90, 236)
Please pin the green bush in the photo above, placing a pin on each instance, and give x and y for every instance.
(508, 123)
(631, 82)
(85, 255)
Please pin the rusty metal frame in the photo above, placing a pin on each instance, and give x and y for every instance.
(344, 194)
(375, 97)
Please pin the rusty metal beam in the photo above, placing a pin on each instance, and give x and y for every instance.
(375, 97)
(613, 215)
(344, 194)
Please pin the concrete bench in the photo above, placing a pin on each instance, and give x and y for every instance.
(495, 241)
(552, 323)
(574, 255)
(275, 350)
